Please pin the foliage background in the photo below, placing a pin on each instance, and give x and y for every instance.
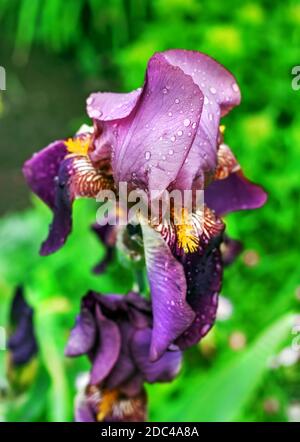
(55, 53)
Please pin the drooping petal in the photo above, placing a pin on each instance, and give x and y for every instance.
(83, 335)
(233, 193)
(77, 177)
(204, 277)
(172, 314)
(216, 82)
(162, 370)
(42, 169)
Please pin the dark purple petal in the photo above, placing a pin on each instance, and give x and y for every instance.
(204, 277)
(233, 193)
(108, 350)
(107, 235)
(230, 250)
(61, 226)
(42, 169)
(22, 342)
(124, 368)
(162, 370)
(77, 177)
(172, 314)
(83, 335)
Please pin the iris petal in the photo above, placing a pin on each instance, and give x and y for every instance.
(162, 370)
(172, 314)
(233, 193)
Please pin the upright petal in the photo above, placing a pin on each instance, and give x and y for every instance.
(151, 143)
(221, 94)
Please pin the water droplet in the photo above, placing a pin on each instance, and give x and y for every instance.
(179, 133)
(210, 117)
(206, 101)
(171, 151)
(147, 155)
(170, 114)
(186, 122)
(165, 90)
(212, 90)
(173, 138)
(235, 87)
(194, 125)
(177, 100)
(94, 113)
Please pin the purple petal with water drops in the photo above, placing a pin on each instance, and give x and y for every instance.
(204, 278)
(162, 370)
(109, 106)
(22, 342)
(233, 193)
(171, 312)
(151, 143)
(221, 94)
(124, 368)
(42, 169)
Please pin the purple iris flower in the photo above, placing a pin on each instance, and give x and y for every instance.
(163, 136)
(115, 332)
(22, 342)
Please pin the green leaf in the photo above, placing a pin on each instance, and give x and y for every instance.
(223, 395)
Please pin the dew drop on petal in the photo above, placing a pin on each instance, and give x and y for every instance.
(170, 114)
(212, 90)
(206, 101)
(194, 125)
(179, 133)
(235, 87)
(147, 155)
(165, 90)
(173, 138)
(186, 122)
(177, 100)
(171, 151)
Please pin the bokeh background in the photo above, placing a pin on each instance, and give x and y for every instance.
(55, 53)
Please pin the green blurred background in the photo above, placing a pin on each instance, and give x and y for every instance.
(55, 53)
